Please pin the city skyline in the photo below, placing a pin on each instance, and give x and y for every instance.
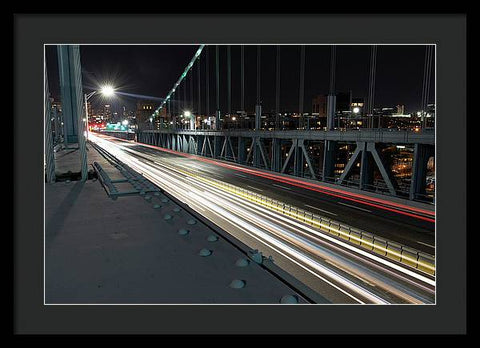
(157, 67)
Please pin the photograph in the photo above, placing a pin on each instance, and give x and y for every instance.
(240, 174)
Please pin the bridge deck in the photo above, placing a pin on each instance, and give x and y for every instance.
(99, 250)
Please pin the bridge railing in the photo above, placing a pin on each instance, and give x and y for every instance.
(367, 134)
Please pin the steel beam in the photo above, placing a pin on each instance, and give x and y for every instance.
(68, 95)
(287, 160)
(421, 155)
(217, 146)
(72, 99)
(297, 159)
(367, 135)
(366, 171)
(262, 150)
(387, 177)
(276, 154)
(250, 150)
(241, 150)
(329, 159)
(307, 159)
(346, 172)
(222, 153)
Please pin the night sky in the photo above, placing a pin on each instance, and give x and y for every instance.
(151, 70)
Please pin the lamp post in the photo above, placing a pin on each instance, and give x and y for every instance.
(188, 115)
(107, 91)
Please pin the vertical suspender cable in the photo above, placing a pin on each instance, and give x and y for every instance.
(426, 83)
(258, 73)
(229, 80)
(258, 107)
(277, 90)
(333, 59)
(217, 77)
(199, 111)
(184, 94)
(331, 98)
(371, 85)
(302, 86)
(422, 104)
(207, 82)
(192, 97)
(242, 78)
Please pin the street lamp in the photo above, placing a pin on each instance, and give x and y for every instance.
(106, 90)
(188, 114)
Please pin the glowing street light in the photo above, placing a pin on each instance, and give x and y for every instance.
(107, 91)
(356, 110)
(187, 113)
(125, 122)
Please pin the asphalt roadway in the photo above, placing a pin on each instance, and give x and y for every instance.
(414, 230)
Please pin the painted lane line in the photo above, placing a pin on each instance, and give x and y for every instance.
(243, 176)
(325, 211)
(255, 188)
(282, 187)
(428, 245)
(354, 207)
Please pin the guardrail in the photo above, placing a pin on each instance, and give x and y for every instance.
(380, 246)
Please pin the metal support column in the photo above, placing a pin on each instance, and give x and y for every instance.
(69, 120)
(366, 170)
(276, 154)
(298, 159)
(329, 159)
(421, 155)
(78, 92)
(241, 150)
(72, 99)
(331, 106)
(48, 150)
(217, 146)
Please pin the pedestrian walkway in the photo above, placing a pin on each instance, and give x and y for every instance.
(141, 249)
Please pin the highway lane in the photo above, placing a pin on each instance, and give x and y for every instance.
(404, 229)
(326, 265)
